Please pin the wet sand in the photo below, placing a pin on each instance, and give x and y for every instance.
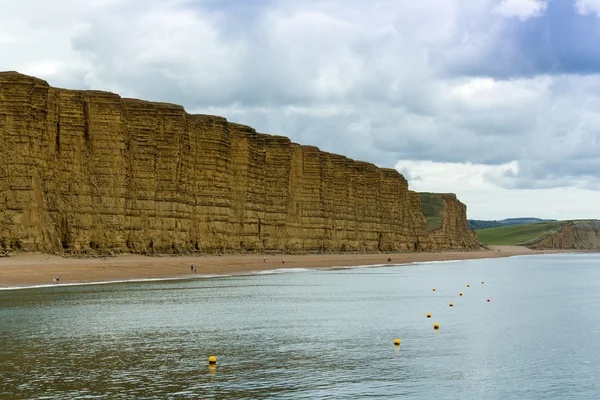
(31, 269)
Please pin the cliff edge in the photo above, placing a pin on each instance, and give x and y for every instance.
(555, 235)
(446, 218)
(89, 171)
(573, 235)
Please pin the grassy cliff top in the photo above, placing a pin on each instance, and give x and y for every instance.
(518, 234)
(432, 206)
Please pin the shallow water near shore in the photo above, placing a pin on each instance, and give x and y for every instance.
(315, 334)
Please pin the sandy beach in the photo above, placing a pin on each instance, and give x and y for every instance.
(31, 269)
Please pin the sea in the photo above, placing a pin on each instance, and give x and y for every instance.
(314, 334)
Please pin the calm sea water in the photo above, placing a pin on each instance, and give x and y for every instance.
(315, 334)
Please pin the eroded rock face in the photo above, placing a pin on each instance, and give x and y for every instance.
(575, 235)
(454, 233)
(83, 171)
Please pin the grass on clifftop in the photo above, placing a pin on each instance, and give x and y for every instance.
(518, 234)
(432, 206)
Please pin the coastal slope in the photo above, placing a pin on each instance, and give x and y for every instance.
(576, 235)
(559, 235)
(89, 171)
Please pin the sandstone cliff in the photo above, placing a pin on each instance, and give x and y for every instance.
(86, 171)
(576, 235)
(446, 221)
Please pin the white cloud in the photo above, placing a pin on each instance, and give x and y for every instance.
(585, 7)
(522, 9)
(474, 186)
(447, 177)
(492, 93)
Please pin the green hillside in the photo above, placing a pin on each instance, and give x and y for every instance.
(432, 206)
(483, 224)
(518, 234)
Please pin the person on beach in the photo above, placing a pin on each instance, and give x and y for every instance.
(389, 259)
(282, 261)
(6, 254)
(192, 267)
(264, 259)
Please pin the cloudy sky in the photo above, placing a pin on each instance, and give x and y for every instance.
(495, 100)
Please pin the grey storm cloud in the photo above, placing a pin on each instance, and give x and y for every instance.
(382, 81)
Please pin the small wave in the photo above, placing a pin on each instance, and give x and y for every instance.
(278, 271)
(440, 262)
(395, 264)
(340, 267)
(136, 280)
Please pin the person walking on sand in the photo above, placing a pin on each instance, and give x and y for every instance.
(282, 261)
(192, 267)
(264, 259)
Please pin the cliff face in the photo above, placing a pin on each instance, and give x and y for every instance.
(576, 235)
(447, 222)
(82, 171)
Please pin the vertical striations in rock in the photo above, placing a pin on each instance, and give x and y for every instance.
(86, 171)
(447, 222)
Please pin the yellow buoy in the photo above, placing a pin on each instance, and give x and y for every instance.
(451, 305)
(468, 285)
(482, 282)
(460, 294)
(428, 315)
(436, 326)
(433, 289)
(212, 360)
(397, 342)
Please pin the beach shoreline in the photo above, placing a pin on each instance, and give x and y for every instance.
(35, 269)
